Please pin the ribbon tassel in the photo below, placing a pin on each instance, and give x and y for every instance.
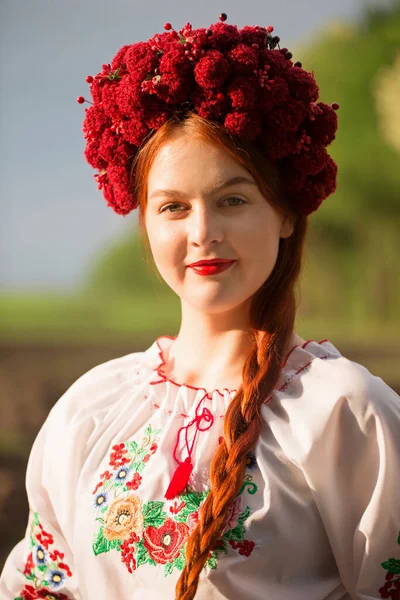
(179, 479)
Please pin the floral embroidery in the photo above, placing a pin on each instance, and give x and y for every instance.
(44, 567)
(391, 589)
(156, 532)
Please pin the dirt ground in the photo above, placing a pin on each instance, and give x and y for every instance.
(32, 378)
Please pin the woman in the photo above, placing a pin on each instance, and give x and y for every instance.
(234, 460)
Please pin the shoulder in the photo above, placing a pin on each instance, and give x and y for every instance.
(324, 394)
(94, 392)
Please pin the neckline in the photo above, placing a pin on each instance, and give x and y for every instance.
(164, 341)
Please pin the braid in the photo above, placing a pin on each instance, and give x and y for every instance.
(273, 314)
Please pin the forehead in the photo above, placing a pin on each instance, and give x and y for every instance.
(187, 159)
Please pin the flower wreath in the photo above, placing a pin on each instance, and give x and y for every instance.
(240, 78)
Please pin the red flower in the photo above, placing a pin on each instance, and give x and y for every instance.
(287, 116)
(46, 539)
(65, 568)
(212, 70)
(311, 161)
(119, 59)
(30, 593)
(302, 84)
(322, 126)
(127, 552)
(135, 482)
(95, 121)
(176, 62)
(253, 35)
(164, 543)
(153, 448)
(245, 547)
(118, 178)
(274, 92)
(243, 58)
(113, 148)
(146, 458)
(244, 124)
(209, 104)
(29, 565)
(243, 92)
(140, 59)
(224, 36)
(92, 154)
(56, 554)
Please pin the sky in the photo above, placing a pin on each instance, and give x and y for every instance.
(54, 223)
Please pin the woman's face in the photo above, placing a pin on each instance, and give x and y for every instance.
(197, 219)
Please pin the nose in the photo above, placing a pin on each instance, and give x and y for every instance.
(204, 227)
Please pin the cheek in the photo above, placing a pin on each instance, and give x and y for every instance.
(167, 250)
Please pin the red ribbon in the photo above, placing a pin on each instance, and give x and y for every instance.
(184, 469)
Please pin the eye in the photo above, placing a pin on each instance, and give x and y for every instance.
(168, 207)
(235, 198)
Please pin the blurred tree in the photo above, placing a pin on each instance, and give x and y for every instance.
(126, 269)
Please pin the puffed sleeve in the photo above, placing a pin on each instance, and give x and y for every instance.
(353, 471)
(42, 564)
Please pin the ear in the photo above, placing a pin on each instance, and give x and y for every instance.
(287, 227)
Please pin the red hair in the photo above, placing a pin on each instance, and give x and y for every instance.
(272, 316)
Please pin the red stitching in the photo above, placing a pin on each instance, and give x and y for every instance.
(283, 387)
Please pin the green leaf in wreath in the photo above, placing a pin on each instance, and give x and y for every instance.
(392, 565)
(212, 562)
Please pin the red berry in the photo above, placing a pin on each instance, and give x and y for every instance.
(220, 96)
(336, 106)
(384, 593)
(89, 79)
(276, 39)
(209, 32)
(223, 17)
(298, 64)
(80, 99)
(270, 29)
(288, 55)
(389, 576)
(284, 50)
(167, 26)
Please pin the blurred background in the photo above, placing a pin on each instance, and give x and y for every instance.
(76, 285)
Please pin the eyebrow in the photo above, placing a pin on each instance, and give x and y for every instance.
(213, 189)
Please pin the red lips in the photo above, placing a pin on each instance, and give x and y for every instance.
(211, 267)
(214, 261)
